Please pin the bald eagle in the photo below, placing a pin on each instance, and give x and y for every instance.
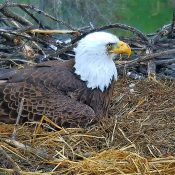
(71, 93)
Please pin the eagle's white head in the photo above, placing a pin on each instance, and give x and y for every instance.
(94, 58)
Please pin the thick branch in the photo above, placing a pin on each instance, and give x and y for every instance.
(147, 57)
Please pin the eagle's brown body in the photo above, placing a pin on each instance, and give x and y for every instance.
(54, 90)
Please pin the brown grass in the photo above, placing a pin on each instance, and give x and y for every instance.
(138, 138)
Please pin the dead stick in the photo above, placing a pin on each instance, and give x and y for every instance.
(173, 24)
(146, 57)
(15, 17)
(151, 70)
(54, 31)
(3, 5)
(63, 50)
(18, 118)
(163, 32)
(11, 161)
(151, 65)
(40, 153)
(32, 16)
(125, 27)
(165, 61)
(41, 12)
(25, 36)
(116, 25)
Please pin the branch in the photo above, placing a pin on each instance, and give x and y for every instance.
(32, 16)
(146, 57)
(116, 25)
(55, 31)
(15, 17)
(163, 32)
(41, 12)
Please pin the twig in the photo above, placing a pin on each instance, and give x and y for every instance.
(151, 70)
(163, 32)
(32, 16)
(38, 152)
(146, 57)
(54, 31)
(165, 61)
(116, 25)
(18, 118)
(125, 136)
(63, 50)
(15, 166)
(4, 5)
(173, 25)
(41, 12)
(15, 17)
(25, 36)
(125, 27)
(151, 66)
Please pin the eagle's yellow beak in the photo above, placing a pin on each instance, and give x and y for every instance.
(121, 48)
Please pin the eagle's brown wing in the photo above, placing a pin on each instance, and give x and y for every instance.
(50, 89)
(49, 76)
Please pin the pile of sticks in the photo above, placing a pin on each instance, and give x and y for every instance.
(30, 41)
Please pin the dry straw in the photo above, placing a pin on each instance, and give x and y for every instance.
(136, 139)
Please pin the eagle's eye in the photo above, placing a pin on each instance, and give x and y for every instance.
(109, 46)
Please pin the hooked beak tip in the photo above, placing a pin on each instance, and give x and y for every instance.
(122, 48)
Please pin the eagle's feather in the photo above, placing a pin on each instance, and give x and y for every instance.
(56, 89)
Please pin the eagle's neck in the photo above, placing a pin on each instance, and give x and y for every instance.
(97, 69)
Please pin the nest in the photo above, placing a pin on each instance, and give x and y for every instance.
(137, 138)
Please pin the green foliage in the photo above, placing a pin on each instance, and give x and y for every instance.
(146, 15)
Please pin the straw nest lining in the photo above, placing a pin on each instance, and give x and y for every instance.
(138, 138)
